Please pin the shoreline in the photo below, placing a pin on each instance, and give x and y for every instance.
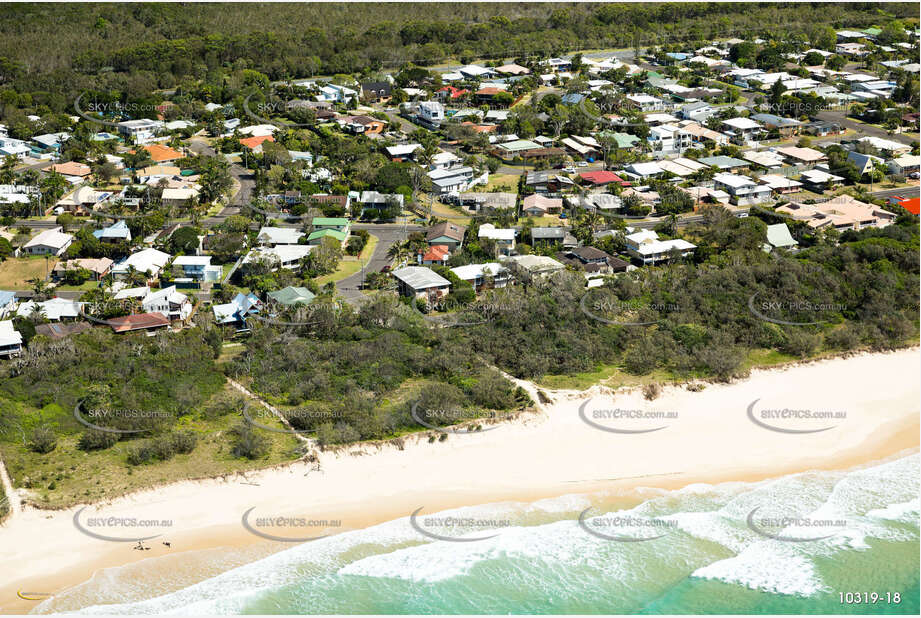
(543, 455)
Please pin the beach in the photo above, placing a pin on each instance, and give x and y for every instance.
(579, 443)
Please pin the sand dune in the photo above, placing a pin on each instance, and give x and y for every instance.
(706, 436)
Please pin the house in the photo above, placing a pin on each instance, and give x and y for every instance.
(73, 171)
(536, 265)
(435, 254)
(98, 268)
(17, 194)
(54, 309)
(147, 261)
(842, 212)
(274, 236)
(362, 125)
(169, 303)
(801, 156)
(373, 199)
(420, 282)
(61, 330)
(318, 236)
(822, 128)
(431, 113)
(403, 152)
(787, 127)
(592, 260)
(255, 142)
(597, 202)
(141, 131)
(504, 238)
(646, 103)
(743, 131)
(865, 163)
(237, 310)
(600, 178)
(646, 247)
(703, 134)
(820, 180)
(446, 233)
(376, 92)
(280, 256)
(668, 139)
(553, 235)
(512, 69)
(452, 180)
(724, 163)
(336, 93)
(546, 181)
(49, 242)
(292, 296)
(179, 196)
(487, 201)
(339, 224)
(10, 340)
(896, 148)
(163, 154)
(904, 165)
(743, 190)
(7, 303)
(483, 276)
(117, 232)
(138, 321)
(699, 111)
(779, 237)
(537, 205)
(780, 184)
(10, 147)
(643, 171)
(198, 268)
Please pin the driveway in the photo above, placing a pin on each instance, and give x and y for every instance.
(243, 176)
(387, 234)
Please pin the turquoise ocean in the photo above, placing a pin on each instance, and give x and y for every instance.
(709, 560)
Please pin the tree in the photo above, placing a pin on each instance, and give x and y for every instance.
(215, 179)
(8, 170)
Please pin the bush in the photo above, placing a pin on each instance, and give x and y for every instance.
(652, 391)
(247, 443)
(43, 440)
(162, 448)
(95, 440)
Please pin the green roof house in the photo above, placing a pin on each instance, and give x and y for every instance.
(317, 236)
(331, 223)
(291, 296)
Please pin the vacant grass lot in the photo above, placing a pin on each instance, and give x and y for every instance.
(18, 273)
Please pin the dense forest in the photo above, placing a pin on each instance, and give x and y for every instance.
(53, 51)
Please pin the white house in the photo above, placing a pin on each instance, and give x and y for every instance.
(646, 247)
(10, 340)
(49, 242)
(431, 112)
(503, 237)
(168, 302)
(646, 103)
(149, 261)
(743, 190)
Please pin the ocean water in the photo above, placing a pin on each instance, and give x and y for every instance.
(710, 558)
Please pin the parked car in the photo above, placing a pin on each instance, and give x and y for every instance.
(582, 163)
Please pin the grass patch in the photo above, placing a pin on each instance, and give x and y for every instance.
(18, 273)
(68, 476)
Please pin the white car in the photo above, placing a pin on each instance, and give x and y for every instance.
(569, 170)
(582, 164)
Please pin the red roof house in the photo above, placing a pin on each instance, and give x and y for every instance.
(601, 177)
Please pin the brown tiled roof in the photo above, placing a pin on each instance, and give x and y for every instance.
(451, 230)
(138, 321)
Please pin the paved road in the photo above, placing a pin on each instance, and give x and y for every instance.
(242, 175)
(863, 129)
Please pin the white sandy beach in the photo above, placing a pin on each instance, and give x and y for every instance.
(549, 453)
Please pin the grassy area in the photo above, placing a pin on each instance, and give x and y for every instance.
(18, 273)
(83, 287)
(502, 182)
(349, 265)
(68, 476)
(609, 375)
